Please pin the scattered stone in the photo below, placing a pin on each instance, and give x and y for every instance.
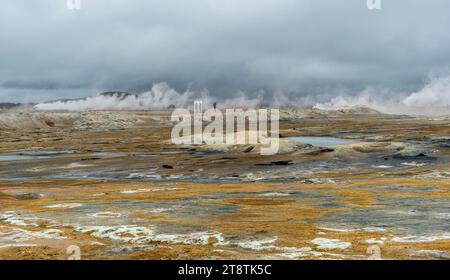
(280, 162)
(249, 149)
(50, 123)
(319, 152)
(420, 156)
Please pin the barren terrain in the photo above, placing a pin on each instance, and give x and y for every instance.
(111, 183)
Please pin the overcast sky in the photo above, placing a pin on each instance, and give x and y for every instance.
(298, 47)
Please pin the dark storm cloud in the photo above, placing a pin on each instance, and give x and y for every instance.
(298, 47)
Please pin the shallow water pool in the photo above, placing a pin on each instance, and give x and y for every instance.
(322, 141)
(15, 157)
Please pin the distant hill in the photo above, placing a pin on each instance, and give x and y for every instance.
(121, 95)
(9, 105)
(118, 94)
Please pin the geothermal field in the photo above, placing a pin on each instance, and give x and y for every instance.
(345, 184)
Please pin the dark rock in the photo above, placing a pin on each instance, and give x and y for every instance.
(249, 149)
(280, 163)
(49, 123)
(321, 151)
(420, 156)
(118, 94)
(88, 159)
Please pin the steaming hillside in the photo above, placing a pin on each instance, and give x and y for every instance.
(432, 99)
(9, 105)
(161, 96)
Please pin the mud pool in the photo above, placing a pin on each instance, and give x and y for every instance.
(323, 141)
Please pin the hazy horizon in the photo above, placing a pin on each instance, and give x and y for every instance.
(307, 51)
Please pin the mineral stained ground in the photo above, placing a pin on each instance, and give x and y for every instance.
(113, 184)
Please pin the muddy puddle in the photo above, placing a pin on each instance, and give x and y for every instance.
(322, 141)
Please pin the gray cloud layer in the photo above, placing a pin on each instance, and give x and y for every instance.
(297, 47)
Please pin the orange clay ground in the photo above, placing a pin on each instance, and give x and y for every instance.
(112, 184)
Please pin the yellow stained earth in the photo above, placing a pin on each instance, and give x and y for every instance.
(119, 189)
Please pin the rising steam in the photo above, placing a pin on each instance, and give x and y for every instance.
(432, 99)
(161, 96)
